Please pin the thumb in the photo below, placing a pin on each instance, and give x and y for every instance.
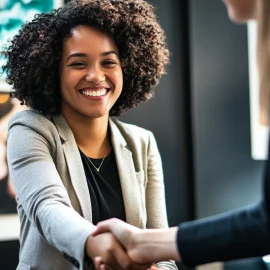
(101, 227)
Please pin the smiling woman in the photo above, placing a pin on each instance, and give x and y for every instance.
(75, 68)
(91, 66)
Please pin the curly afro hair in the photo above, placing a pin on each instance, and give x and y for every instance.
(34, 55)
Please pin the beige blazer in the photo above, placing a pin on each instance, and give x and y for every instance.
(53, 199)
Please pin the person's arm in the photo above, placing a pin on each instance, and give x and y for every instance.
(233, 235)
(155, 245)
(155, 196)
(42, 194)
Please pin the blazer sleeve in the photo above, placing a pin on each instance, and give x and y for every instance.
(42, 194)
(155, 194)
(233, 235)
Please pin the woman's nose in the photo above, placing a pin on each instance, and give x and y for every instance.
(95, 74)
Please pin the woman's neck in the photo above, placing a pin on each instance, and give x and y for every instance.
(91, 134)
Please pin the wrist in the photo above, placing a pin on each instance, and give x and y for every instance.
(161, 242)
(89, 247)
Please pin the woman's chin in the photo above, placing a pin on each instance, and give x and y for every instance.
(240, 17)
(236, 18)
(96, 115)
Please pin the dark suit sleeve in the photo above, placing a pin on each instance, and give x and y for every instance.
(234, 235)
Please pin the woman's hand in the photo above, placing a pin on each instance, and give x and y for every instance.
(124, 233)
(100, 265)
(106, 246)
(107, 253)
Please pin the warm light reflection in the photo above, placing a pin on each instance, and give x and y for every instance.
(4, 97)
(259, 133)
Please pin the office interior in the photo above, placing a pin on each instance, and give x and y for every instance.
(200, 117)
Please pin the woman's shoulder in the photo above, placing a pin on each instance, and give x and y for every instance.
(32, 119)
(137, 138)
(130, 134)
(131, 128)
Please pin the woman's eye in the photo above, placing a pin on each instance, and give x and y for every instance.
(78, 65)
(109, 63)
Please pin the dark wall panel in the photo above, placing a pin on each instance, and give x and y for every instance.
(166, 114)
(226, 176)
(9, 255)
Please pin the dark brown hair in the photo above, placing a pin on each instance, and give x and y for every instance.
(34, 54)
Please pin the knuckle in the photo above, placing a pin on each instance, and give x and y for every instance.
(109, 244)
(108, 251)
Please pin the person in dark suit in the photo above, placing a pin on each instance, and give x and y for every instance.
(239, 234)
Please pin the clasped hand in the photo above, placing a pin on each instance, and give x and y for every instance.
(112, 246)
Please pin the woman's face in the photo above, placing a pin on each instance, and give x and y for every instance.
(242, 10)
(90, 72)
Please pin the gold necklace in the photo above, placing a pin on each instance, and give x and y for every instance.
(97, 169)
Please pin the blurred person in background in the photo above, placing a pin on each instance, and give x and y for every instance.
(234, 235)
(8, 107)
(13, 13)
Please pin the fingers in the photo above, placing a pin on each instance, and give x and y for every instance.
(107, 247)
(121, 257)
(109, 225)
(100, 265)
(104, 267)
(118, 228)
(121, 247)
(128, 264)
(142, 266)
(98, 262)
(104, 226)
(152, 267)
(122, 231)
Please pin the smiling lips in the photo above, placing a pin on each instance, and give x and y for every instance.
(94, 92)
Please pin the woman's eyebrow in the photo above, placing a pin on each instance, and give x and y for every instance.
(85, 55)
(109, 52)
(77, 55)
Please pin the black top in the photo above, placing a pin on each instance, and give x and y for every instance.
(235, 235)
(104, 188)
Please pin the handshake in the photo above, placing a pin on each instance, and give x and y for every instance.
(117, 245)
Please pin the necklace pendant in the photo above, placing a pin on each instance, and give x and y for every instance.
(97, 169)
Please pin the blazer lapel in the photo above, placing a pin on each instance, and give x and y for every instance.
(75, 166)
(128, 180)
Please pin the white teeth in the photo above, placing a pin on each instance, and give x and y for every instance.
(98, 93)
